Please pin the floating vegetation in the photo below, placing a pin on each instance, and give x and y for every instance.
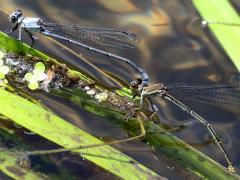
(38, 75)
(4, 70)
(101, 96)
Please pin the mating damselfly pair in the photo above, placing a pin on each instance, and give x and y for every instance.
(117, 38)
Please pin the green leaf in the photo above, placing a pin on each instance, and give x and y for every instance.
(2, 76)
(29, 77)
(4, 69)
(33, 85)
(39, 68)
(9, 166)
(50, 126)
(125, 92)
(228, 36)
(164, 143)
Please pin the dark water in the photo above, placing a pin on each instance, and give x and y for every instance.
(170, 54)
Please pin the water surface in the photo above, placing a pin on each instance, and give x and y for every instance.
(170, 54)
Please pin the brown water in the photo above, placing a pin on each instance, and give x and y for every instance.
(170, 54)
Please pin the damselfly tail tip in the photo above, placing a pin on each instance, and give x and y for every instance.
(231, 169)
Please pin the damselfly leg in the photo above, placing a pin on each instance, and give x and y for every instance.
(82, 36)
(224, 94)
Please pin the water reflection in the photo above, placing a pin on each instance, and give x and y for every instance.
(170, 54)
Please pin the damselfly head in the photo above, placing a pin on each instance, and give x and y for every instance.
(15, 16)
(135, 84)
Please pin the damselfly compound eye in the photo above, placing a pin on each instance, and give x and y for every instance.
(134, 85)
(15, 16)
(12, 19)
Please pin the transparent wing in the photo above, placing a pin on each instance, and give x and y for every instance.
(216, 94)
(110, 37)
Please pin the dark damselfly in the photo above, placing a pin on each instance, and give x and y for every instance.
(215, 94)
(80, 36)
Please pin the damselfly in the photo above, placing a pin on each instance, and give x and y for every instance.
(79, 35)
(217, 94)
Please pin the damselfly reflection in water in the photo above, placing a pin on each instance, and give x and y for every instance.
(123, 39)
